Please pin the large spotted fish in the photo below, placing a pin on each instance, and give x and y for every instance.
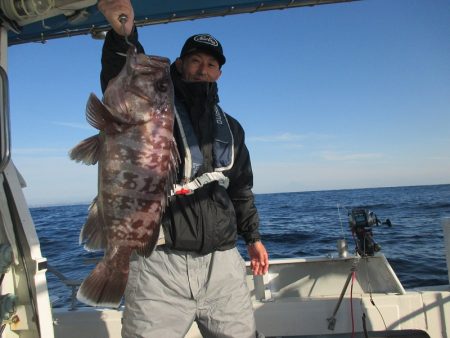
(137, 161)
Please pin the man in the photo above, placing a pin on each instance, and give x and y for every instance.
(197, 274)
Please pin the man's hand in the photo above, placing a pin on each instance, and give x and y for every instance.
(112, 9)
(259, 260)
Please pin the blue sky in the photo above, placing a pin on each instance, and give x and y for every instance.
(349, 95)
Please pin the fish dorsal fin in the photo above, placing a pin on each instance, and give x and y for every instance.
(87, 151)
(99, 116)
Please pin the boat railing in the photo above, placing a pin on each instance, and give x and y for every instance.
(71, 283)
(260, 284)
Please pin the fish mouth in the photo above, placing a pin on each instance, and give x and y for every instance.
(139, 93)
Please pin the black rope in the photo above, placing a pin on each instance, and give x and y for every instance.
(366, 335)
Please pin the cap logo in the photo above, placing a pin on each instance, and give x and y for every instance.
(208, 39)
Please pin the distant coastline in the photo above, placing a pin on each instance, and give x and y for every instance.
(87, 203)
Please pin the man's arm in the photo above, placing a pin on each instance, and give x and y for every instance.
(114, 55)
(241, 183)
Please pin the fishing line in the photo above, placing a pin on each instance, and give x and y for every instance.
(369, 285)
(370, 295)
(379, 312)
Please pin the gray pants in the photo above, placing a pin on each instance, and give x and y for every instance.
(169, 290)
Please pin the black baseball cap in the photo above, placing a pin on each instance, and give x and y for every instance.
(204, 43)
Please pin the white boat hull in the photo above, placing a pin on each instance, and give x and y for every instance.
(299, 296)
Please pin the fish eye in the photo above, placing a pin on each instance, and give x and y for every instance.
(162, 85)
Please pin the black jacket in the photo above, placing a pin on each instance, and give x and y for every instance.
(211, 217)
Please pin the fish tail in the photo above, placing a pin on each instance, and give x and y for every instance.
(106, 284)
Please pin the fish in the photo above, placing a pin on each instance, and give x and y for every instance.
(137, 160)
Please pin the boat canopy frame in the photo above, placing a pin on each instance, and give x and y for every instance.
(82, 16)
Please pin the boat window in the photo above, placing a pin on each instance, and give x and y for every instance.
(4, 121)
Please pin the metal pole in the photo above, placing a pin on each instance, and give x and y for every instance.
(4, 48)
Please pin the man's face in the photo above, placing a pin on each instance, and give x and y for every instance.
(199, 67)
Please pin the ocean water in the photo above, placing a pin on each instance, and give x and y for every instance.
(293, 225)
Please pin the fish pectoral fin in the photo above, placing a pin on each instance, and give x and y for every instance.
(172, 173)
(98, 115)
(92, 234)
(87, 151)
(147, 249)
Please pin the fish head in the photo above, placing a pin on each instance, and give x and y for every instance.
(142, 90)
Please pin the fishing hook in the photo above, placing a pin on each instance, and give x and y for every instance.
(123, 20)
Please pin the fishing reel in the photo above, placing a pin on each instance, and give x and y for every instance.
(361, 221)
